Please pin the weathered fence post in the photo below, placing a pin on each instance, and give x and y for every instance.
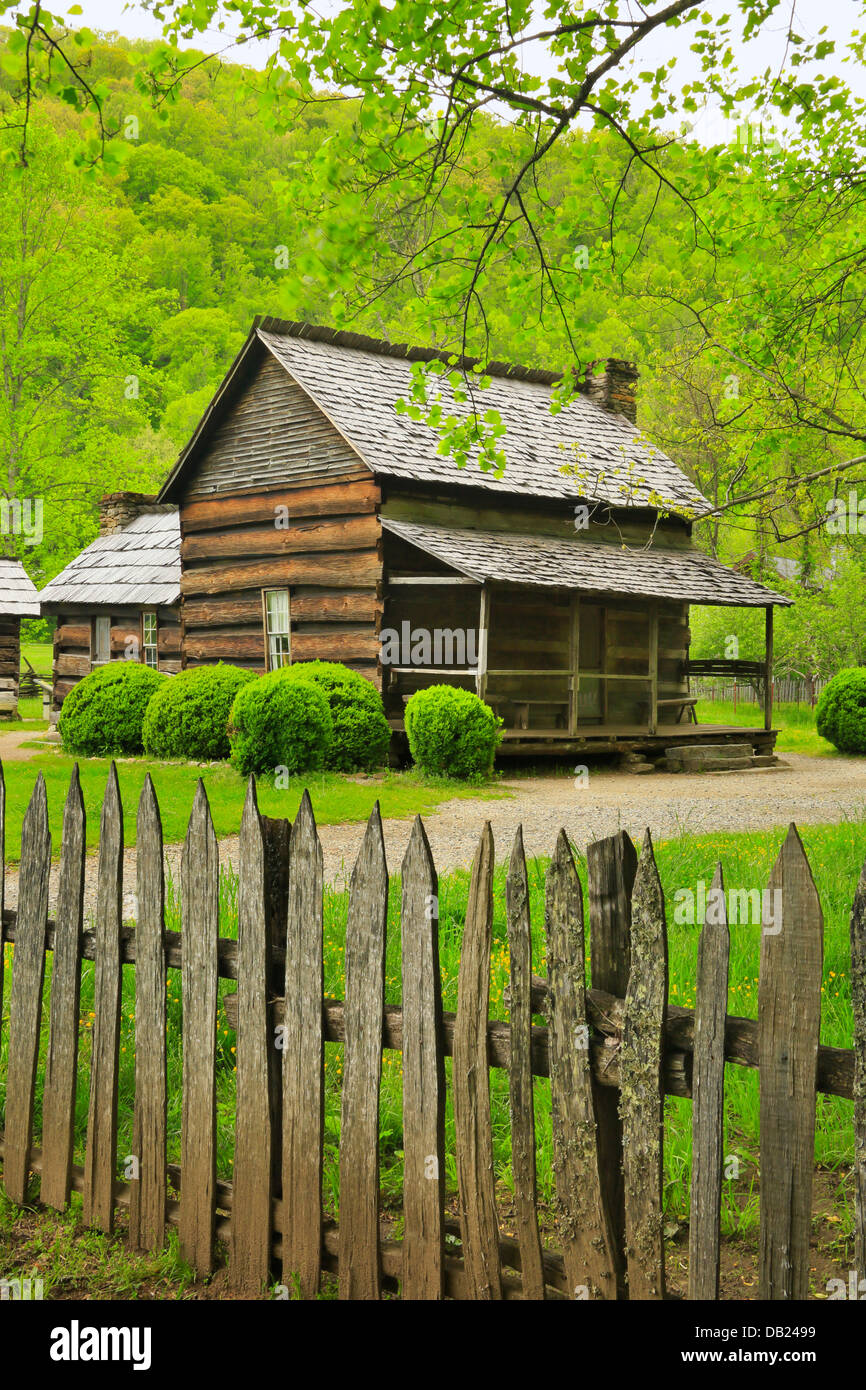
(251, 1202)
(582, 1220)
(471, 1086)
(277, 836)
(611, 866)
(641, 1082)
(708, 1097)
(2, 886)
(303, 1060)
(148, 1189)
(101, 1154)
(523, 1165)
(359, 1260)
(25, 1008)
(61, 1067)
(423, 1075)
(199, 937)
(858, 1005)
(789, 1025)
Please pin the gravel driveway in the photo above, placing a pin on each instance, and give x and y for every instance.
(802, 789)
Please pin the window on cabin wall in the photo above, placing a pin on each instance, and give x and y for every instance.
(149, 640)
(100, 641)
(278, 647)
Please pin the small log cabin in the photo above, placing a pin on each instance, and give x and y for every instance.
(317, 521)
(18, 599)
(121, 596)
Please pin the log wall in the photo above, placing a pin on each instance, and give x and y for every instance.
(10, 665)
(73, 635)
(320, 541)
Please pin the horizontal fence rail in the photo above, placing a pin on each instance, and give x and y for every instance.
(786, 691)
(611, 1052)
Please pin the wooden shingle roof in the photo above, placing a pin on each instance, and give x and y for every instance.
(356, 381)
(594, 567)
(138, 566)
(18, 595)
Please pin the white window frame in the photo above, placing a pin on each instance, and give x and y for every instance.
(101, 624)
(278, 640)
(146, 646)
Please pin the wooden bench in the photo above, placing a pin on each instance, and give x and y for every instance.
(684, 702)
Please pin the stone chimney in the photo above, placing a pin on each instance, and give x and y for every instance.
(613, 385)
(118, 509)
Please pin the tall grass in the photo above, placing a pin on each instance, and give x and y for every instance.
(795, 723)
(836, 854)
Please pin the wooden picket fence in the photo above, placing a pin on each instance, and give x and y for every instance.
(611, 1052)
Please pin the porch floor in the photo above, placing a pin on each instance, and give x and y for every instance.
(624, 739)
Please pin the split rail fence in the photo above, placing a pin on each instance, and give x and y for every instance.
(611, 1052)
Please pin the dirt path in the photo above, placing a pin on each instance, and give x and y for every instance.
(11, 749)
(806, 790)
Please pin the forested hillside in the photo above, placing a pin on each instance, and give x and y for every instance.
(129, 276)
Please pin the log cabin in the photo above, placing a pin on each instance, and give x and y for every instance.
(18, 599)
(317, 521)
(118, 599)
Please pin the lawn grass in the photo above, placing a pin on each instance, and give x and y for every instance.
(335, 797)
(29, 718)
(796, 724)
(40, 655)
(836, 854)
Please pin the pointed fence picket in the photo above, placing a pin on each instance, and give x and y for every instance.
(101, 1155)
(61, 1066)
(200, 922)
(611, 1052)
(708, 1096)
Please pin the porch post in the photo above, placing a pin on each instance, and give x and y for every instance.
(574, 648)
(768, 667)
(483, 625)
(653, 668)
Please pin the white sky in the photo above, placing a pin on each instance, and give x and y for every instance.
(840, 16)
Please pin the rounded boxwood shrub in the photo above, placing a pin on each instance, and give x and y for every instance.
(451, 732)
(840, 714)
(188, 716)
(280, 721)
(361, 731)
(104, 712)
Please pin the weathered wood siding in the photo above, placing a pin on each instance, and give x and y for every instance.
(271, 433)
(277, 499)
(73, 638)
(10, 664)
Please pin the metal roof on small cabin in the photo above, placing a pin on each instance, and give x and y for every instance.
(356, 382)
(594, 567)
(19, 597)
(138, 566)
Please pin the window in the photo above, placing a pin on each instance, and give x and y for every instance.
(149, 639)
(277, 628)
(101, 647)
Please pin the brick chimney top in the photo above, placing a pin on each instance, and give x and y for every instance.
(118, 509)
(612, 384)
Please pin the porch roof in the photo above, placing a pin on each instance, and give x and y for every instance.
(594, 567)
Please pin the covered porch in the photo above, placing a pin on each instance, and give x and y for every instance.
(579, 646)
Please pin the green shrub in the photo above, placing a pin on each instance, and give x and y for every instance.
(188, 716)
(280, 721)
(451, 732)
(104, 712)
(840, 714)
(361, 732)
